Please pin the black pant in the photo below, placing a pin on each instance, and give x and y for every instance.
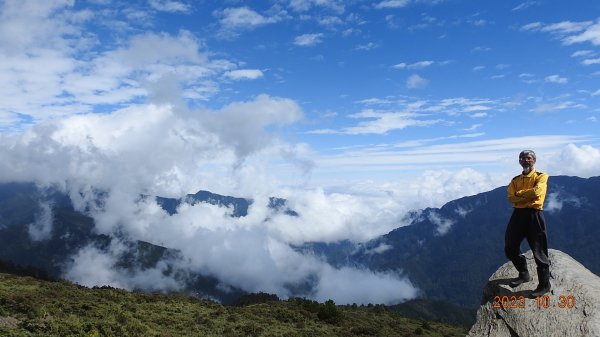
(526, 223)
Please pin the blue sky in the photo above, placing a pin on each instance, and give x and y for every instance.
(377, 81)
(356, 112)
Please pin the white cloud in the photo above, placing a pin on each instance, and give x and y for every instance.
(591, 35)
(234, 20)
(355, 286)
(486, 153)
(427, 188)
(556, 79)
(562, 28)
(49, 70)
(244, 74)
(330, 21)
(583, 53)
(171, 143)
(525, 5)
(416, 65)
(307, 40)
(392, 4)
(379, 249)
(582, 161)
(367, 46)
(556, 200)
(479, 22)
(443, 225)
(182, 151)
(478, 68)
(384, 122)
(569, 32)
(92, 267)
(375, 101)
(416, 82)
(556, 106)
(588, 62)
(249, 252)
(170, 6)
(336, 6)
(481, 49)
(41, 228)
(380, 122)
(473, 127)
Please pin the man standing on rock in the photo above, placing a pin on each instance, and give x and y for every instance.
(527, 193)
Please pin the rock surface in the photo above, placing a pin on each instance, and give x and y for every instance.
(571, 309)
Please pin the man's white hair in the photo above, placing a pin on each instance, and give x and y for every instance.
(526, 152)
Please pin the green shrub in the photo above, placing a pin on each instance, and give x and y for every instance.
(329, 313)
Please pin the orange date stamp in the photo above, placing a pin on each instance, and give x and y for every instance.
(541, 302)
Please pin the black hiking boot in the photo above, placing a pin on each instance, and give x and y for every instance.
(523, 278)
(544, 283)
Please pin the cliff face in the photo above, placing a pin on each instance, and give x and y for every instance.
(571, 309)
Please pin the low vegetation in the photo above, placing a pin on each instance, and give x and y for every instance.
(34, 307)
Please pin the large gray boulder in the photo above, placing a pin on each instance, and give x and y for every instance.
(571, 309)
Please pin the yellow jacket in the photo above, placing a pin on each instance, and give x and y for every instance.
(528, 190)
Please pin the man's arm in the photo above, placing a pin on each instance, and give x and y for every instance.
(513, 194)
(538, 190)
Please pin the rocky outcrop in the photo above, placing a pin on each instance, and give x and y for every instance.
(571, 309)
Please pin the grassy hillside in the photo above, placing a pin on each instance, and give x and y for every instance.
(33, 307)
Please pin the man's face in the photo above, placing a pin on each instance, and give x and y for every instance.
(526, 161)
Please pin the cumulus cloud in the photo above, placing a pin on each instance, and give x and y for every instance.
(556, 79)
(242, 18)
(367, 46)
(49, 70)
(582, 161)
(91, 266)
(583, 53)
(148, 141)
(164, 150)
(170, 6)
(590, 34)
(416, 82)
(336, 6)
(244, 74)
(171, 143)
(588, 62)
(247, 253)
(556, 200)
(392, 4)
(358, 286)
(41, 228)
(443, 225)
(307, 40)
